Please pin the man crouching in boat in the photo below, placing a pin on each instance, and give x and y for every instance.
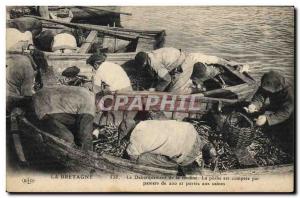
(168, 144)
(67, 112)
(274, 102)
(163, 64)
(198, 68)
(173, 69)
(22, 73)
(110, 77)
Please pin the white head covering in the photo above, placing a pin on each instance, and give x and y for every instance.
(15, 39)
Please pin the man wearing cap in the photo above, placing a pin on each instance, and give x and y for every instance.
(197, 68)
(203, 72)
(110, 77)
(173, 68)
(167, 143)
(275, 101)
(162, 64)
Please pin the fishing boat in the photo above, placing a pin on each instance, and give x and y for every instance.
(111, 39)
(63, 152)
(98, 15)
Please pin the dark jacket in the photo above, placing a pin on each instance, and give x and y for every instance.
(281, 99)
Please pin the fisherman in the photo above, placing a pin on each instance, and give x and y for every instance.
(110, 77)
(274, 101)
(174, 69)
(24, 24)
(67, 112)
(162, 64)
(16, 40)
(198, 68)
(57, 42)
(203, 72)
(20, 80)
(168, 143)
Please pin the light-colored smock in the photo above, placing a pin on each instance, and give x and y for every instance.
(182, 82)
(177, 140)
(112, 75)
(164, 60)
(15, 39)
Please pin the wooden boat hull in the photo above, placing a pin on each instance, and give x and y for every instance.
(76, 159)
(98, 15)
(147, 40)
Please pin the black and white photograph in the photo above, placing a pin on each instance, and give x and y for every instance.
(150, 98)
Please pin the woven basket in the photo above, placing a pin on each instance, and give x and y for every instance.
(238, 130)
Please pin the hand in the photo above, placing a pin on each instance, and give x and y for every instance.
(17, 112)
(243, 68)
(251, 108)
(152, 89)
(96, 133)
(261, 120)
(213, 154)
(198, 87)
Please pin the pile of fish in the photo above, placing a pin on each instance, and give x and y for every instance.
(108, 141)
(267, 150)
(264, 150)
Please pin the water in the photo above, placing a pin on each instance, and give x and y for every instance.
(262, 37)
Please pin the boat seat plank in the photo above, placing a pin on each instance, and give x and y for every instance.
(88, 42)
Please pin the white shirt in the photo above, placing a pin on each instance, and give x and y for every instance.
(64, 41)
(165, 59)
(177, 140)
(14, 39)
(113, 75)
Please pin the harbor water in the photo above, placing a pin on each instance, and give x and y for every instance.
(262, 37)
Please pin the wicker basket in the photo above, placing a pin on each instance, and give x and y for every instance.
(238, 130)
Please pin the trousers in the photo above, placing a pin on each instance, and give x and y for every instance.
(73, 128)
